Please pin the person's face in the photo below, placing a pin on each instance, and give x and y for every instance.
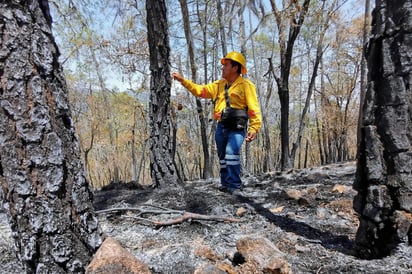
(228, 71)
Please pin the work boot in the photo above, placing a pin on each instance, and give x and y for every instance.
(236, 192)
(222, 188)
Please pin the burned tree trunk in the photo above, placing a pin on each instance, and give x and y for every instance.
(384, 178)
(41, 175)
(162, 166)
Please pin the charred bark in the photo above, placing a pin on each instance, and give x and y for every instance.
(41, 174)
(384, 178)
(162, 166)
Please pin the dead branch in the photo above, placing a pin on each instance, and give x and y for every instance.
(143, 210)
(185, 216)
(194, 216)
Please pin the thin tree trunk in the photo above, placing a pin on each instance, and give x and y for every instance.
(318, 133)
(204, 27)
(305, 165)
(247, 159)
(324, 128)
(86, 154)
(319, 53)
(296, 20)
(113, 152)
(41, 173)
(134, 156)
(220, 17)
(142, 161)
(207, 167)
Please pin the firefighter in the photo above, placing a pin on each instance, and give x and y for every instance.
(237, 111)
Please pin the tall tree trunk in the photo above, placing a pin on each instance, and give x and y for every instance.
(319, 53)
(207, 166)
(41, 173)
(324, 127)
(247, 159)
(141, 168)
(295, 19)
(113, 151)
(318, 125)
(384, 179)
(204, 27)
(162, 166)
(220, 17)
(133, 144)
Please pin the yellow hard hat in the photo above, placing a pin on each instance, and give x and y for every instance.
(238, 57)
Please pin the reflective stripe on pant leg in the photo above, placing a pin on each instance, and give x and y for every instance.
(223, 173)
(222, 163)
(232, 160)
(221, 138)
(233, 171)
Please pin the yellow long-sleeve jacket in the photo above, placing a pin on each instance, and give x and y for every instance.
(242, 94)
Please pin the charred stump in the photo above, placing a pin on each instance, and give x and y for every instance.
(384, 172)
(41, 175)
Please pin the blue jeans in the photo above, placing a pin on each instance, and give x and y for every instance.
(228, 143)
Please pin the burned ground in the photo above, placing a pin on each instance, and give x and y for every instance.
(307, 214)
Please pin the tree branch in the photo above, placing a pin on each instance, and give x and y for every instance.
(185, 216)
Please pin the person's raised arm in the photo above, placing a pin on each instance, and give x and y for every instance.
(177, 76)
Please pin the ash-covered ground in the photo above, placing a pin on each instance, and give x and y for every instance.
(306, 213)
